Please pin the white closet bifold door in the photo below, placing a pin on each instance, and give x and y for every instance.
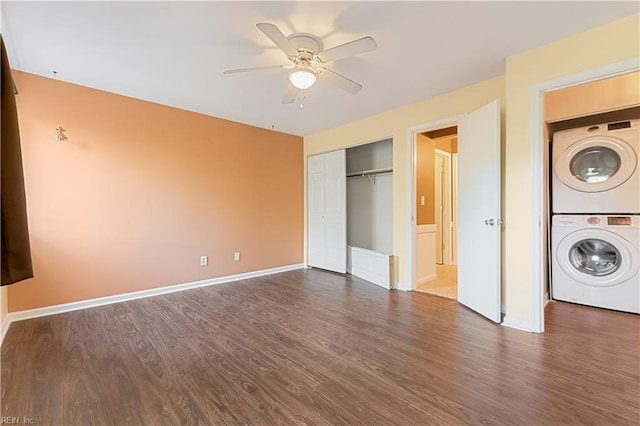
(327, 211)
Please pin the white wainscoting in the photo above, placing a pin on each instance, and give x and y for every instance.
(370, 265)
(425, 253)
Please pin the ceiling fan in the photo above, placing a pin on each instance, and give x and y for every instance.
(308, 56)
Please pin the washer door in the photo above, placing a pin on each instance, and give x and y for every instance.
(596, 257)
(596, 164)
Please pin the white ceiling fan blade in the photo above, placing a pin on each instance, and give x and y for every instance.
(290, 94)
(352, 48)
(278, 38)
(340, 81)
(269, 67)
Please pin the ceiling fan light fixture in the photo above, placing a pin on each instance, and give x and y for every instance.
(302, 78)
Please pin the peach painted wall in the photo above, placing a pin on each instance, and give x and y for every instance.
(425, 179)
(140, 191)
(447, 144)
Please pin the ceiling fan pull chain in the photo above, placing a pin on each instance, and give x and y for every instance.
(301, 98)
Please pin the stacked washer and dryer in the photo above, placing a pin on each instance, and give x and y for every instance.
(595, 226)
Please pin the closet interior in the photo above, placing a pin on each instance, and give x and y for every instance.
(370, 211)
(350, 211)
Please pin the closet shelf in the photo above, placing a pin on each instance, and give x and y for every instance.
(370, 172)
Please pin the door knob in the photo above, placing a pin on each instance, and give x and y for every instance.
(489, 222)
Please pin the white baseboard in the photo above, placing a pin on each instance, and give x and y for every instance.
(516, 323)
(427, 279)
(406, 287)
(4, 327)
(402, 287)
(107, 300)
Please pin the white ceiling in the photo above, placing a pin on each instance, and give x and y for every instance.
(174, 53)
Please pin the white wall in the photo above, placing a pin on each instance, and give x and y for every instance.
(370, 198)
(370, 212)
(374, 155)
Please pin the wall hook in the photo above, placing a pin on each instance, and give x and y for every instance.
(59, 134)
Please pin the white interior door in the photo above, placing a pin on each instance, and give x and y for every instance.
(479, 211)
(336, 211)
(315, 211)
(327, 211)
(439, 207)
(444, 200)
(454, 209)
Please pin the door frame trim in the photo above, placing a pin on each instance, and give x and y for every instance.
(446, 224)
(412, 134)
(454, 207)
(539, 165)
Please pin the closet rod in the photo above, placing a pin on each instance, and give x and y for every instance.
(370, 172)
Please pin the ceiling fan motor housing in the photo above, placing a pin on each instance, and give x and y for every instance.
(306, 44)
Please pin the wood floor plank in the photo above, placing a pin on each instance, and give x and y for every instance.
(34, 362)
(317, 348)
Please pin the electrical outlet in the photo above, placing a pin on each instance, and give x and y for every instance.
(236, 256)
(204, 260)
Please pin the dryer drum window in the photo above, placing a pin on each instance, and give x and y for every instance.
(595, 164)
(595, 257)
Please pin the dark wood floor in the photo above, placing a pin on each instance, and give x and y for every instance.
(310, 347)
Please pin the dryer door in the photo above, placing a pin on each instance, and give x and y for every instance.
(597, 257)
(596, 164)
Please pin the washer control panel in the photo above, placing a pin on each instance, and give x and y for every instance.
(619, 220)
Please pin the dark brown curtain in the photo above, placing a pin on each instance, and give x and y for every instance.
(16, 252)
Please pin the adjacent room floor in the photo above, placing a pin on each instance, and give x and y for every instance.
(312, 347)
(445, 285)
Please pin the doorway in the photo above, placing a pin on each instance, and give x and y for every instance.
(442, 146)
(478, 207)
